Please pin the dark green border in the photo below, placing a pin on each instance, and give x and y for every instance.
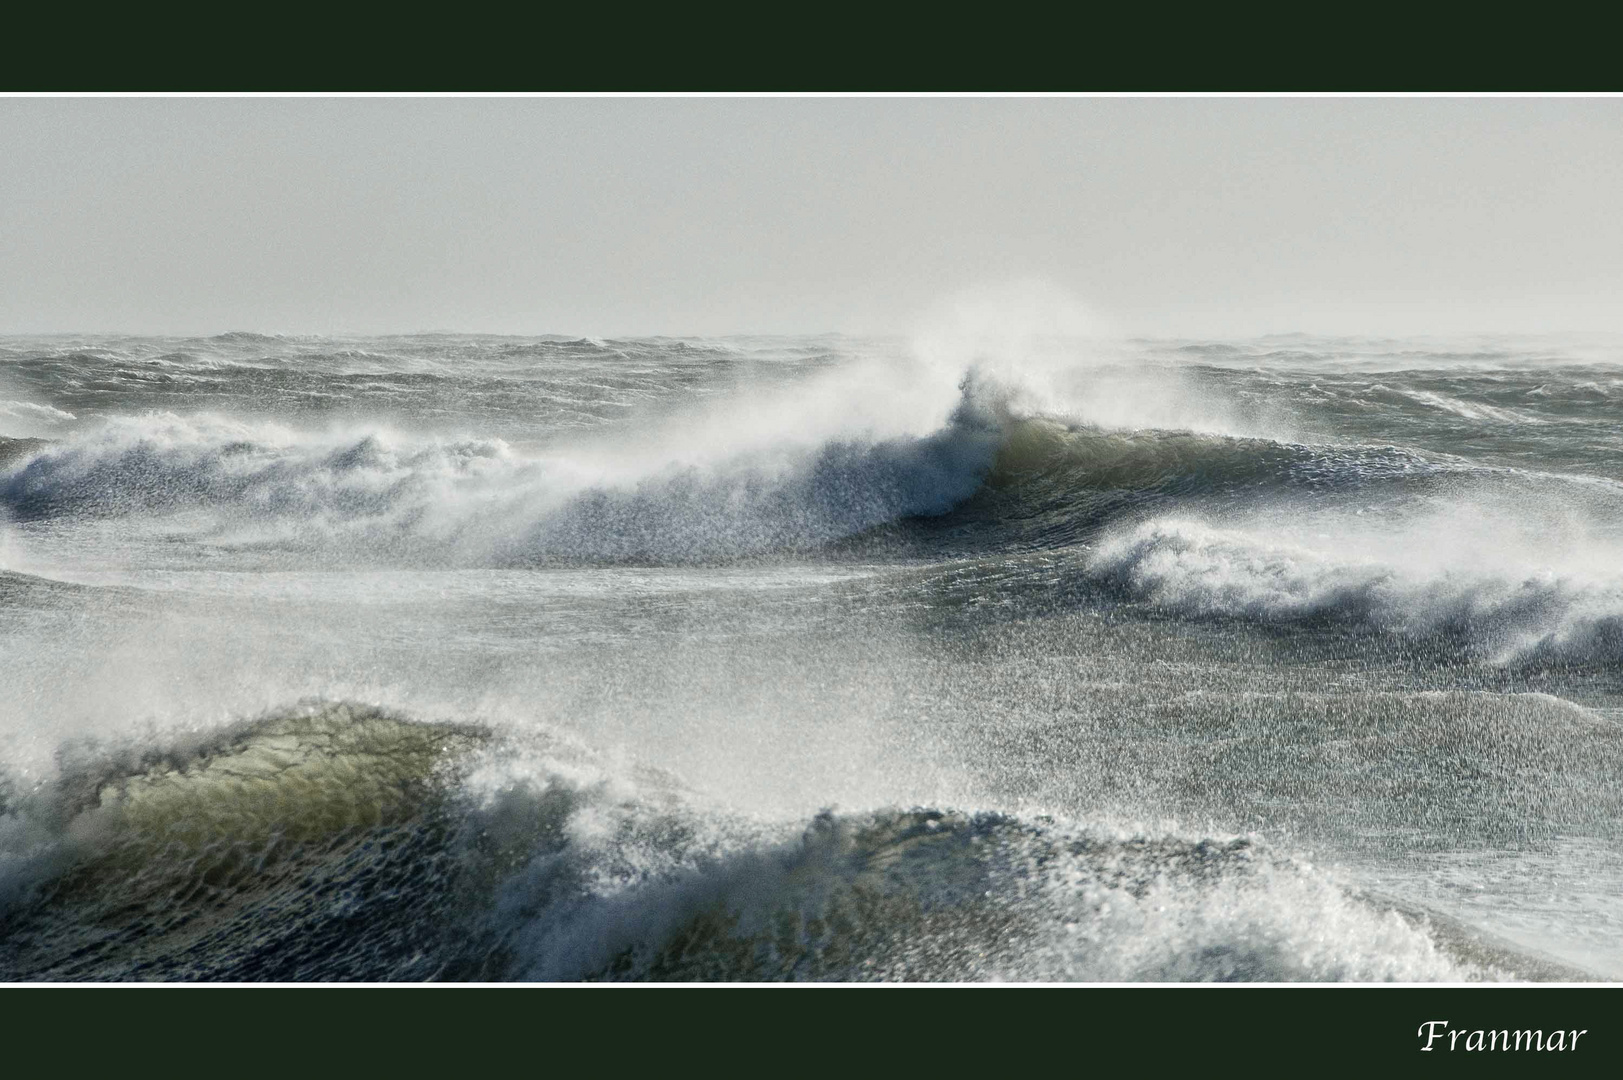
(829, 48)
(1260, 1031)
(805, 48)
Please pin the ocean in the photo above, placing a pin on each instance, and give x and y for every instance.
(1020, 658)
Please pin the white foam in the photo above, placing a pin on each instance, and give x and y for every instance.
(926, 895)
(1470, 410)
(1512, 583)
(28, 419)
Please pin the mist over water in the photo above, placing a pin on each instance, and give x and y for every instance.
(1013, 650)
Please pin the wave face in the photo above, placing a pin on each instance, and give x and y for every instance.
(259, 853)
(991, 655)
(338, 841)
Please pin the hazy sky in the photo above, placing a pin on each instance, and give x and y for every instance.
(601, 216)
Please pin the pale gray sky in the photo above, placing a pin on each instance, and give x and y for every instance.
(601, 216)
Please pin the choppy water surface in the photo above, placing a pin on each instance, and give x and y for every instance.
(485, 658)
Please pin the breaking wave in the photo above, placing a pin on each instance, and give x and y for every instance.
(343, 841)
(1425, 585)
(479, 500)
(989, 479)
